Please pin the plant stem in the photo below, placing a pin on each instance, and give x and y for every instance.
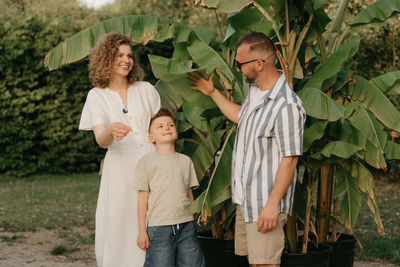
(287, 19)
(307, 220)
(324, 201)
(274, 25)
(219, 25)
(291, 230)
(334, 224)
(321, 41)
(199, 134)
(218, 231)
(298, 44)
(193, 141)
(394, 47)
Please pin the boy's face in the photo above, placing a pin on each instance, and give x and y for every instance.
(163, 131)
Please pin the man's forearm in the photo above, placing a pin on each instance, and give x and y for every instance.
(228, 108)
(283, 178)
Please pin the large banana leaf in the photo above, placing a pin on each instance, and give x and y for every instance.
(375, 101)
(366, 185)
(337, 148)
(388, 83)
(373, 156)
(318, 105)
(367, 125)
(349, 134)
(312, 133)
(175, 75)
(246, 21)
(351, 202)
(333, 64)
(392, 150)
(219, 184)
(141, 29)
(193, 115)
(204, 155)
(206, 57)
(379, 11)
(170, 98)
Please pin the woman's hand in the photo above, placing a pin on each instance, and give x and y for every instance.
(119, 131)
(202, 85)
(143, 240)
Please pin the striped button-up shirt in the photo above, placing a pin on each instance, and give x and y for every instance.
(272, 128)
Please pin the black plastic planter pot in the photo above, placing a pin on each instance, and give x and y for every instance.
(219, 252)
(343, 251)
(315, 257)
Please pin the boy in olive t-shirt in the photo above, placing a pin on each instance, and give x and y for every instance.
(165, 180)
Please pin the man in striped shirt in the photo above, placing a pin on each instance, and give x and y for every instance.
(268, 142)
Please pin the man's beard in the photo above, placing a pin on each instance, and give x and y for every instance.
(251, 77)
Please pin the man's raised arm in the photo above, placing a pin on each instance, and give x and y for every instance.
(228, 108)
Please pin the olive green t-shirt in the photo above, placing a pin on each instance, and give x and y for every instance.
(167, 177)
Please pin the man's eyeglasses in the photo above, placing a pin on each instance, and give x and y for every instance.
(240, 64)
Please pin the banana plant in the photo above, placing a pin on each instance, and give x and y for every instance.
(347, 114)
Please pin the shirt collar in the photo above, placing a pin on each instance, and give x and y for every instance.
(274, 91)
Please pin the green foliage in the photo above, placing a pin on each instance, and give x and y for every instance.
(58, 250)
(40, 110)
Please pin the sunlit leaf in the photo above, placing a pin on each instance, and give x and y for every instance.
(141, 29)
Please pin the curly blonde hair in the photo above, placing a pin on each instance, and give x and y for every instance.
(102, 56)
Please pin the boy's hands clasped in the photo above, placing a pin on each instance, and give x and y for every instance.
(143, 240)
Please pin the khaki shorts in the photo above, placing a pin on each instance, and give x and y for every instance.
(261, 248)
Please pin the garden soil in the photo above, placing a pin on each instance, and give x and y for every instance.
(33, 250)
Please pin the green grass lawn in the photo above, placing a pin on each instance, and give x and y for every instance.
(63, 202)
(48, 201)
(375, 246)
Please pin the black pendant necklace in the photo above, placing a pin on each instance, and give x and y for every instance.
(124, 110)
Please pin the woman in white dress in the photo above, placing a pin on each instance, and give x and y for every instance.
(118, 110)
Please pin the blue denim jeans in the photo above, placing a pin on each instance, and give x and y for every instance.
(174, 245)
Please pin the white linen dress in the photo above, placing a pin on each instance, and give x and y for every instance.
(116, 213)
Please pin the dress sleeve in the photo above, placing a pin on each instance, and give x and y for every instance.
(141, 176)
(193, 182)
(93, 112)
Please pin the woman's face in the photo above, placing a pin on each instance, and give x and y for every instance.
(123, 62)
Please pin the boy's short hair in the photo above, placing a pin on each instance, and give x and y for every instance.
(163, 112)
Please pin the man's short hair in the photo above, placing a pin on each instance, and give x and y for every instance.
(258, 42)
(163, 112)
